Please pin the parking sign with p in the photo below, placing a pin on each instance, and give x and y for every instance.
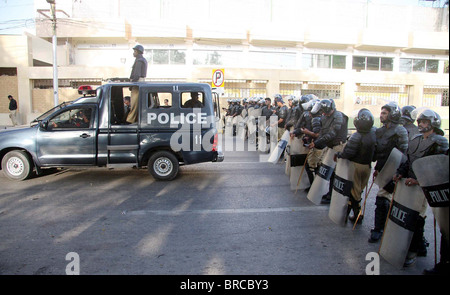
(218, 78)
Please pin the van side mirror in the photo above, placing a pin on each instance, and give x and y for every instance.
(44, 125)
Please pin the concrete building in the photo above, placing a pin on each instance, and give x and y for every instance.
(359, 53)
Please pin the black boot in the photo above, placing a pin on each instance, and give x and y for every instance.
(326, 199)
(418, 242)
(356, 207)
(381, 211)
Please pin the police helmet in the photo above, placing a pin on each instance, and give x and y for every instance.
(406, 113)
(139, 48)
(394, 111)
(304, 99)
(434, 119)
(316, 106)
(295, 101)
(363, 121)
(327, 106)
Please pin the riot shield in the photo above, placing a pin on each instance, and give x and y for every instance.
(229, 126)
(320, 185)
(395, 159)
(432, 172)
(253, 115)
(287, 156)
(262, 135)
(276, 153)
(342, 191)
(297, 159)
(401, 222)
(241, 127)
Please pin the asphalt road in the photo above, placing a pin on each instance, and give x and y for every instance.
(238, 217)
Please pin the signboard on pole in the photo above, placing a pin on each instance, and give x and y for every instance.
(218, 80)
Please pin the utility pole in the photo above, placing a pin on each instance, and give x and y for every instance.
(54, 42)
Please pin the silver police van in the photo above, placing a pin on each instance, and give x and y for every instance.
(169, 130)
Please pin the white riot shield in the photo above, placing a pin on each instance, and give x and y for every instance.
(395, 159)
(342, 191)
(229, 126)
(262, 136)
(401, 223)
(251, 122)
(236, 120)
(320, 185)
(287, 156)
(240, 127)
(432, 172)
(298, 157)
(276, 153)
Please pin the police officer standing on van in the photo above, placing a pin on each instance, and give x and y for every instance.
(390, 135)
(138, 73)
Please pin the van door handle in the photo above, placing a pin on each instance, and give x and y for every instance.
(84, 135)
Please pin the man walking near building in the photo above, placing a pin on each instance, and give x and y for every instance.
(13, 110)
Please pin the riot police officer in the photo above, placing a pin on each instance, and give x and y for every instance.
(407, 121)
(430, 141)
(309, 125)
(295, 112)
(267, 109)
(390, 135)
(359, 150)
(333, 134)
(281, 112)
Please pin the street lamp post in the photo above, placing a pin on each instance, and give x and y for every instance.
(54, 43)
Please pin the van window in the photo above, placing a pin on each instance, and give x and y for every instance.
(120, 104)
(79, 118)
(159, 100)
(192, 99)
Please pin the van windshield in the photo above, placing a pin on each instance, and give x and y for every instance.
(51, 111)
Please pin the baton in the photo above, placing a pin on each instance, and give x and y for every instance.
(387, 218)
(364, 206)
(435, 244)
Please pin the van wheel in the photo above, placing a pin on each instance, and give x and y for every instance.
(163, 165)
(16, 165)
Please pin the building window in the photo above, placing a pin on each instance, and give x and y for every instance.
(387, 64)
(435, 96)
(291, 88)
(446, 67)
(263, 59)
(378, 94)
(165, 56)
(323, 61)
(372, 63)
(409, 65)
(322, 89)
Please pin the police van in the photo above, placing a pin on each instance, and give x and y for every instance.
(93, 131)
